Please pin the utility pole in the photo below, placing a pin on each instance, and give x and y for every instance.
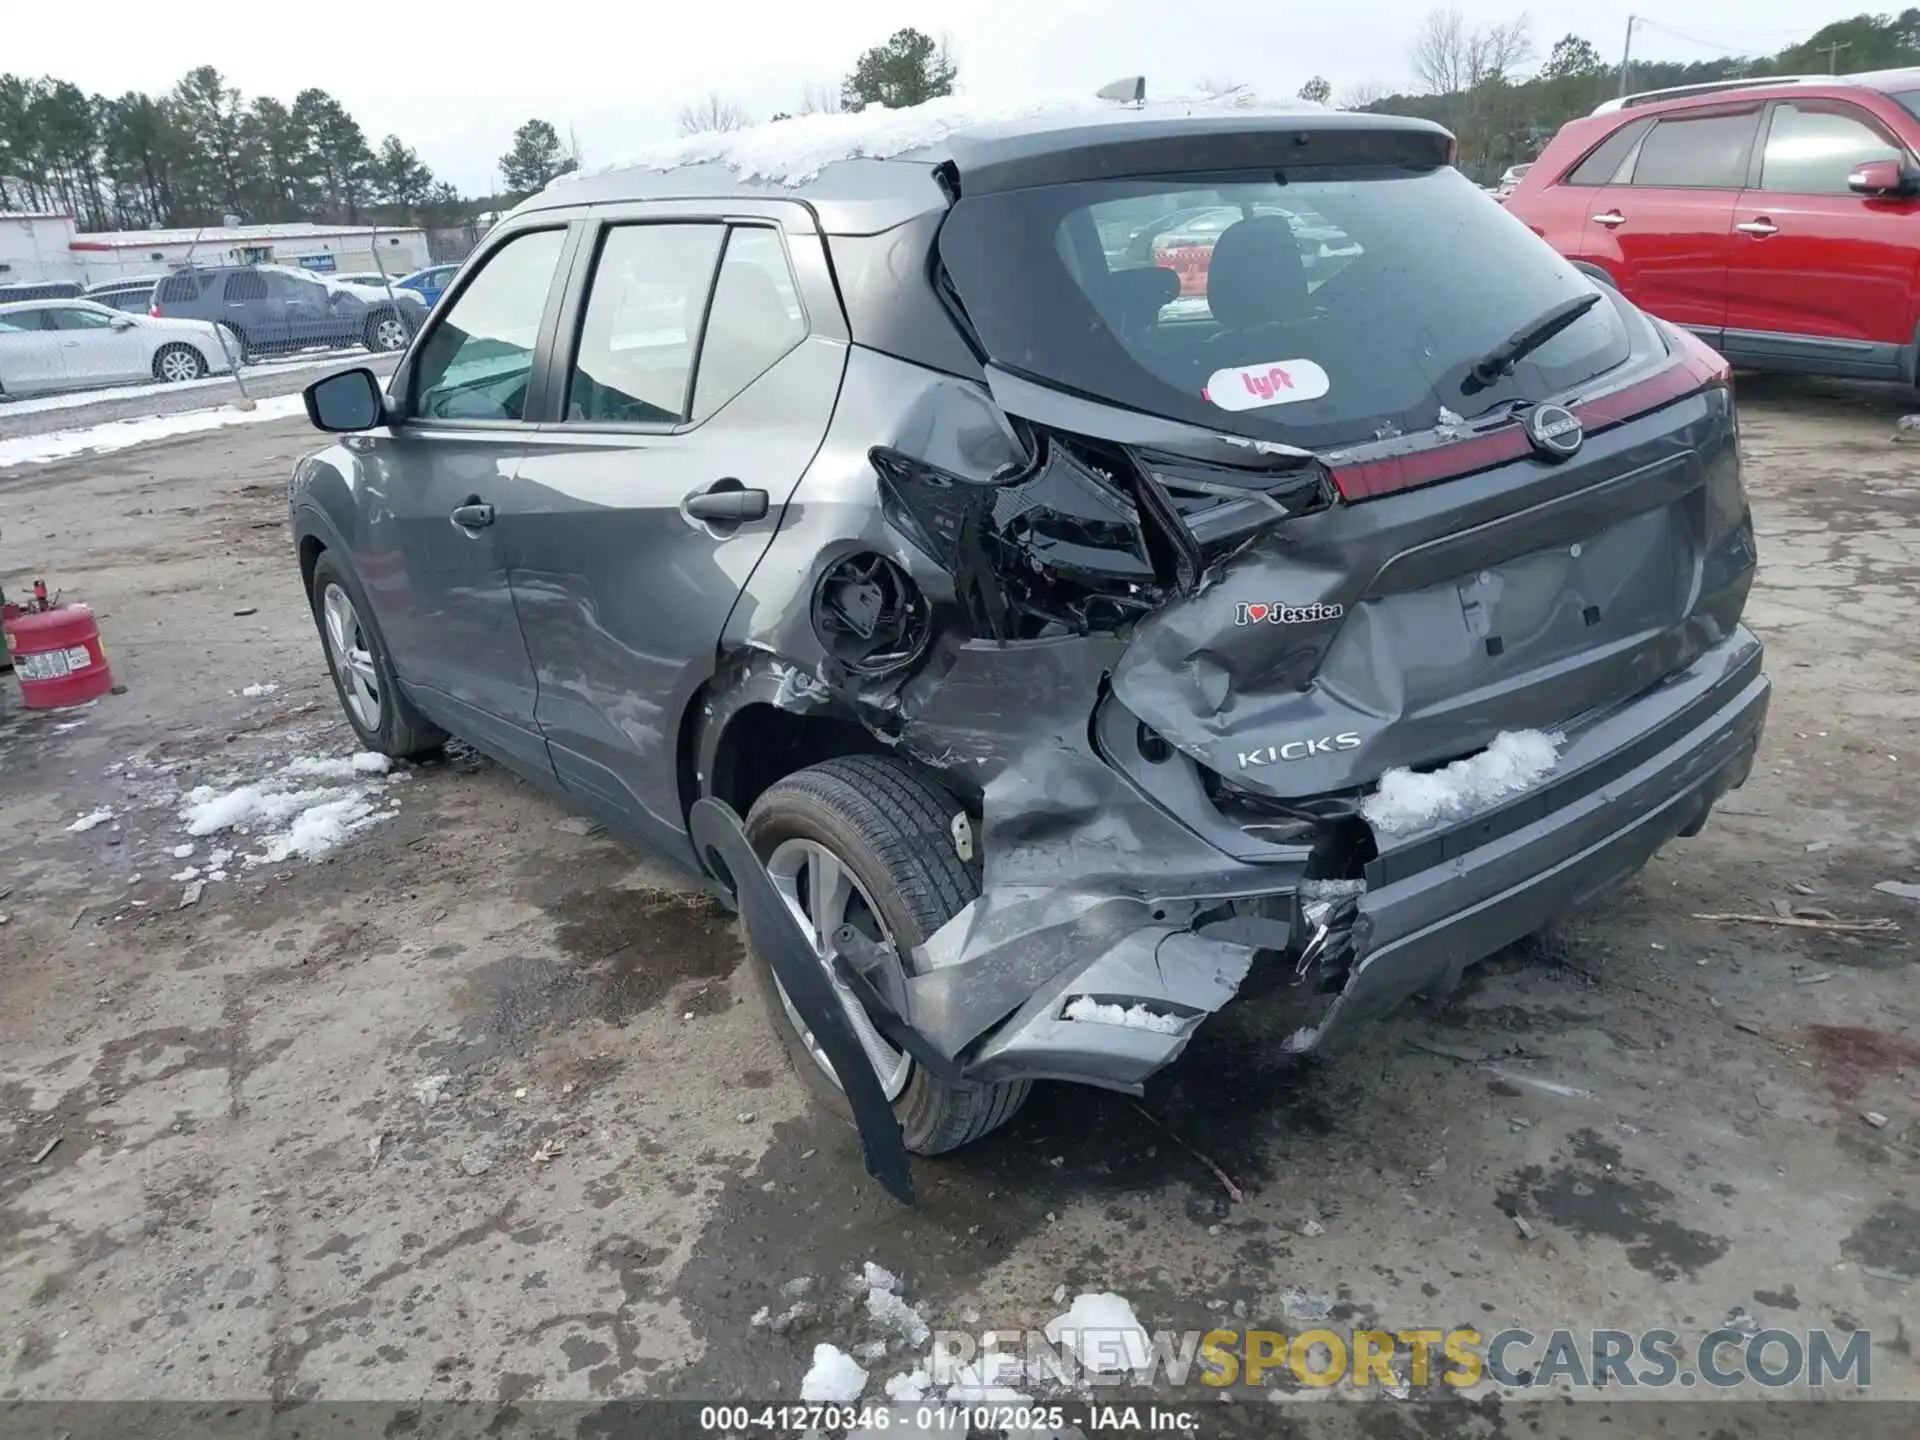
(1626, 58)
(1833, 54)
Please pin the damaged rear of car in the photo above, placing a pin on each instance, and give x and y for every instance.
(1330, 626)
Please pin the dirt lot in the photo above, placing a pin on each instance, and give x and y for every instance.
(251, 1195)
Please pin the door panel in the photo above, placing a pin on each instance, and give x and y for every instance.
(1810, 258)
(622, 595)
(439, 590)
(432, 566)
(1665, 231)
(1668, 249)
(30, 356)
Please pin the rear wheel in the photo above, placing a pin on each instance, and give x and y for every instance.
(383, 718)
(867, 841)
(177, 363)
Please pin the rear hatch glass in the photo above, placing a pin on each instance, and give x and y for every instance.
(1317, 307)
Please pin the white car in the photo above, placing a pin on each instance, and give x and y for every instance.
(71, 344)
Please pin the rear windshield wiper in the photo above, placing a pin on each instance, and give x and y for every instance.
(1528, 338)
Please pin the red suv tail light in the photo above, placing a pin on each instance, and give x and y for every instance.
(153, 311)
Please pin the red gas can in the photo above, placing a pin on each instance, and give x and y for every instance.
(57, 656)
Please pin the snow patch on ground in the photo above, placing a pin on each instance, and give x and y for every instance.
(255, 692)
(1102, 1332)
(89, 820)
(793, 151)
(287, 818)
(1516, 761)
(1131, 1017)
(834, 1377)
(123, 434)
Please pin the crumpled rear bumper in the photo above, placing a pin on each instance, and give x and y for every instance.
(1152, 917)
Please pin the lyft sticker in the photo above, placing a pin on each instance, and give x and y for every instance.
(1253, 387)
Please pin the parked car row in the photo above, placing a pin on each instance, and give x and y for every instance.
(196, 321)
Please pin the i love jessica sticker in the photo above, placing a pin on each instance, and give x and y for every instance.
(1253, 387)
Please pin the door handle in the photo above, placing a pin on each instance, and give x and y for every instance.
(474, 515)
(1759, 227)
(1609, 218)
(727, 502)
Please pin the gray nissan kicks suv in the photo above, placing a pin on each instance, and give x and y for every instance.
(1082, 630)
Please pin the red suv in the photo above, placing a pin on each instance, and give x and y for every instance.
(1777, 219)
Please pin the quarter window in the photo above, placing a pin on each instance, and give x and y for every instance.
(1605, 163)
(1707, 153)
(756, 319)
(478, 361)
(650, 286)
(1812, 149)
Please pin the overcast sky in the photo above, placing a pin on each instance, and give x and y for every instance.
(455, 80)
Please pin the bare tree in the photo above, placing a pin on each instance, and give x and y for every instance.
(1214, 86)
(1362, 94)
(715, 112)
(820, 97)
(1448, 58)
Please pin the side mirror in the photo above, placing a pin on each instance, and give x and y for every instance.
(346, 402)
(1881, 177)
(121, 322)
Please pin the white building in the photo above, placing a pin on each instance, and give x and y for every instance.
(46, 247)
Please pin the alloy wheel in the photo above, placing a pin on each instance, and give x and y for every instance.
(389, 334)
(352, 657)
(823, 894)
(179, 365)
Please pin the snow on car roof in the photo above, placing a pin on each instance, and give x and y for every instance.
(794, 151)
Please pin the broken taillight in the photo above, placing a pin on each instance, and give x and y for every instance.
(1694, 368)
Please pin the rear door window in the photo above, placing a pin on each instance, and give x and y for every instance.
(1332, 309)
(244, 285)
(634, 360)
(477, 362)
(1812, 146)
(1708, 152)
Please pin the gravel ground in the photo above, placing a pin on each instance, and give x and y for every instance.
(480, 1106)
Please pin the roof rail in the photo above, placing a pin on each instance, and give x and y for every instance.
(1654, 97)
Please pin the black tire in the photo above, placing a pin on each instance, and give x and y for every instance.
(888, 824)
(370, 339)
(403, 732)
(199, 362)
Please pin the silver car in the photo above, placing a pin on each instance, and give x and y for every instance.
(70, 344)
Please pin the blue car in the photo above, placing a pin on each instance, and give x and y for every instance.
(431, 283)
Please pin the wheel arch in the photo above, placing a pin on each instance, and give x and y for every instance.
(757, 721)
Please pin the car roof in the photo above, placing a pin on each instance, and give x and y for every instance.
(46, 300)
(1763, 87)
(867, 172)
